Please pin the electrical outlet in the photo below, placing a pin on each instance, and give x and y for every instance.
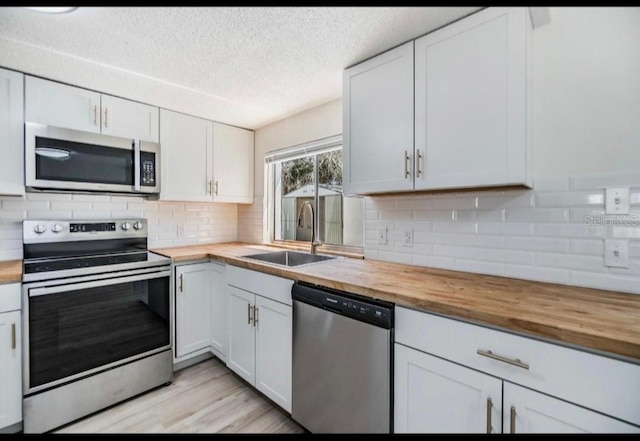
(382, 235)
(407, 238)
(180, 230)
(617, 200)
(616, 253)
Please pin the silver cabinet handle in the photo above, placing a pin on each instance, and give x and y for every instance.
(209, 187)
(181, 283)
(513, 419)
(255, 315)
(514, 362)
(95, 115)
(106, 116)
(407, 173)
(251, 316)
(248, 313)
(216, 187)
(13, 335)
(418, 160)
(489, 406)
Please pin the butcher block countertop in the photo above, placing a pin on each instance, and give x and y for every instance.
(593, 319)
(11, 271)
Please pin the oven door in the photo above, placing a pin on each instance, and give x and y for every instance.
(78, 327)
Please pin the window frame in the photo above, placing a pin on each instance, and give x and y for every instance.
(312, 149)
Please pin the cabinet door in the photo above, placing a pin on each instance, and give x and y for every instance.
(470, 101)
(186, 157)
(219, 314)
(436, 396)
(241, 357)
(10, 369)
(378, 123)
(527, 411)
(129, 119)
(273, 350)
(11, 133)
(232, 164)
(55, 104)
(192, 308)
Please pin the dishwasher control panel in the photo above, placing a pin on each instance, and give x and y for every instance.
(346, 304)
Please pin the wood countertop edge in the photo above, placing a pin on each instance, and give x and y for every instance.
(10, 271)
(586, 339)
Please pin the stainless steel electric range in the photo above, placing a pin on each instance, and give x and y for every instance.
(96, 318)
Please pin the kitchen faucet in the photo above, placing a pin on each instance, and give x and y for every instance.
(314, 243)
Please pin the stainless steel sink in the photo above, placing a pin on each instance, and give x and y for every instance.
(289, 258)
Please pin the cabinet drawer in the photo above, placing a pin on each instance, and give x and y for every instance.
(266, 285)
(601, 383)
(10, 297)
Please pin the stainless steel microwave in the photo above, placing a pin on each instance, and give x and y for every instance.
(64, 159)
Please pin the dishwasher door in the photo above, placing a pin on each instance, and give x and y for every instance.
(341, 372)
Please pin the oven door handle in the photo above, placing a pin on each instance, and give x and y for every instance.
(97, 283)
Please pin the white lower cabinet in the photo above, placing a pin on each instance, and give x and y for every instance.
(436, 396)
(219, 310)
(260, 332)
(10, 357)
(457, 377)
(192, 308)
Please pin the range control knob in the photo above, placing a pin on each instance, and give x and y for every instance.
(126, 226)
(138, 225)
(57, 228)
(39, 228)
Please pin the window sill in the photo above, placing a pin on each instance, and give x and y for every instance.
(322, 249)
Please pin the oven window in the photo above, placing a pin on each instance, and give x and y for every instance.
(77, 162)
(74, 331)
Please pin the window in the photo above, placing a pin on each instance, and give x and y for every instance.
(311, 174)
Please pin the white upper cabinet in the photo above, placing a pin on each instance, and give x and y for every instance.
(60, 105)
(471, 102)
(11, 133)
(129, 119)
(378, 123)
(458, 117)
(185, 157)
(205, 161)
(232, 164)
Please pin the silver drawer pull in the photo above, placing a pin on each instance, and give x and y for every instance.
(515, 362)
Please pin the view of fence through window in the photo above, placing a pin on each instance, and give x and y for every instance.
(339, 218)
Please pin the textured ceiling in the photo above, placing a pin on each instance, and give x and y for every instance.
(275, 61)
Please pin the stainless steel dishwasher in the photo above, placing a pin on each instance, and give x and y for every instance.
(342, 361)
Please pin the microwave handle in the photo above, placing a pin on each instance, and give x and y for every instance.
(136, 165)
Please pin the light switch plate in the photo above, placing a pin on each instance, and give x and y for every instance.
(407, 237)
(382, 235)
(616, 253)
(617, 200)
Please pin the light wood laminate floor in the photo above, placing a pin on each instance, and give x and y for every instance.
(204, 398)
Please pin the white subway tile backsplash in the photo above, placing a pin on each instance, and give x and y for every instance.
(24, 205)
(48, 196)
(89, 198)
(452, 202)
(73, 206)
(12, 215)
(91, 214)
(109, 206)
(454, 227)
(569, 230)
(49, 214)
(557, 245)
(574, 199)
(396, 257)
(571, 261)
(371, 215)
(551, 184)
(587, 246)
(543, 274)
(482, 267)
(537, 215)
(127, 214)
(553, 233)
(505, 229)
